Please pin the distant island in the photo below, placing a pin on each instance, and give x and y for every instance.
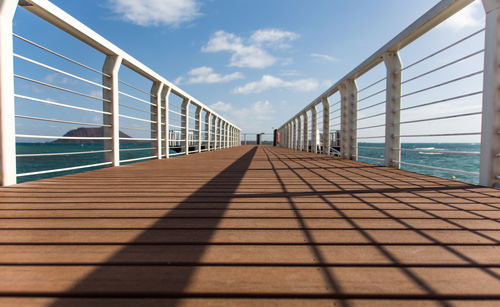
(86, 132)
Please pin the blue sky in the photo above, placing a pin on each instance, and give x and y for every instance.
(259, 62)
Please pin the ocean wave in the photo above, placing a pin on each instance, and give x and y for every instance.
(429, 153)
(425, 148)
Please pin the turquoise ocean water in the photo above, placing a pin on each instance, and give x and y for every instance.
(435, 158)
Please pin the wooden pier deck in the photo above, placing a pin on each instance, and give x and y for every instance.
(249, 226)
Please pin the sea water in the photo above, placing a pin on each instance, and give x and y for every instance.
(430, 154)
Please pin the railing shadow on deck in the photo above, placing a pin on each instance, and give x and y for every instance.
(170, 281)
(429, 291)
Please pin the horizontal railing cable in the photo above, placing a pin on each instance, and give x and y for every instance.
(371, 158)
(176, 113)
(443, 66)
(62, 137)
(60, 104)
(138, 159)
(369, 127)
(372, 84)
(137, 149)
(60, 71)
(49, 154)
(136, 88)
(138, 119)
(133, 128)
(370, 147)
(464, 153)
(136, 98)
(336, 110)
(59, 88)
(443, 83)
(61, 121)
(442, 100)
(372, 106)
(64, 169)
(136, 109)
(335, 103)
(60, 55)
(440, 134)
(440, 117)
(369, 96)
(371, 116)
(136, 139)
(371, 137)
(443, 49)
(438, 168)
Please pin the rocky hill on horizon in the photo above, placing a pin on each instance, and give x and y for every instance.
(86, 132)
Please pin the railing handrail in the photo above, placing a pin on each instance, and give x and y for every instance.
(61, 19)
(193, 130)
(297, 134)
(426, 22)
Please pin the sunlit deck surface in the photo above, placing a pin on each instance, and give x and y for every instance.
(249, 226)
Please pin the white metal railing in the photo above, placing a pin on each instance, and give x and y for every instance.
(162, 118)
(377, 122)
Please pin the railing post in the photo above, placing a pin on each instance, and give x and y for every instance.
(198, 126)
(232, 136)
(344, 122)
(185, 126)
(164, 97)
(294, 134)
(156, 99)
(305, 145)
(314, 130)
(489, 171)
(299, 133)
(352, 94)
(110, 68)
(216, 133)
(289, 135)
(393, 110)
(208, 128)
(326, 126)
(223, 135)
(7, 113)
(349, 121)
(284, 136)
(220, 134)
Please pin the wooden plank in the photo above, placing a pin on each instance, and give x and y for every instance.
(246, 226)
(164, 280)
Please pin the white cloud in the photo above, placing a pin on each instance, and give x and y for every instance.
(221, 106)
(206, 74)
(289, 73)
(273, 37)
(156, 12)
(268, 82)
(324, 57)
(178, 80)
(470, 16)
(256, 117)
(252, 53)
(242, 55)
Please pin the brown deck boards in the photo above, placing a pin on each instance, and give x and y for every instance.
(249, 226)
